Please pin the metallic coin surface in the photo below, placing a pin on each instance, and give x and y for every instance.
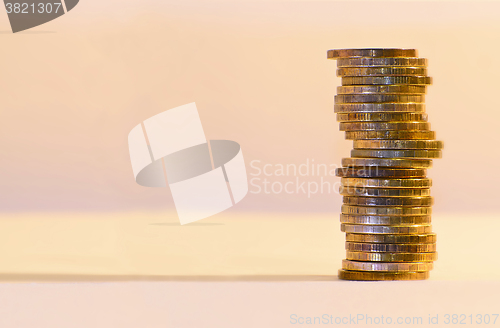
(376, 126)
(387, 162)
(387, 266)
(387, 183)
(375, 52)
(397, 144)
(375, 171)
(396, 153)
(357, 80)
(427, 238)
(394, 61)
(379, 98)
(382, 89)
(386, 210)
(390, 248)
(382, 276)
(381, 71)
(379, 107)
(384, 192)
(382, 117)
(376, 135)
(391, 257)
(389, 230)
(388, 201)
(385, 220)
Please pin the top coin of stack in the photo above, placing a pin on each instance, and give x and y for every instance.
(387, 203)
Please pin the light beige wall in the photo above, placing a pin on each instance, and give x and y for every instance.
(71, 90)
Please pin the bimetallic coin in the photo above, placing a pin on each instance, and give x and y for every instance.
(386, 210)
(382, 89)
(376, 126)
(404, 135)
(388, 201)
(428, 238)
(394, 61)
(387, 266)
(387, 183)
(381, 98)
(376, 52)
(379, 107)
(382, 276)
(391, 257)
(385, 230)
(396, 153)
(384, 192)
(387, 162)
(390, 248)
(381, 71)
(375, 171)
(385, 220)
(357, 80)
(397, 144)
(381, 117)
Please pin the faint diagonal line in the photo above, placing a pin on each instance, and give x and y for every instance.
(147, 141)
(228, 185)
(211, 156)
(64, 6)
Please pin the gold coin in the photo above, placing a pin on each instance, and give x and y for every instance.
(391, 257)
(375, 171)
(428, 238)
(379, 107)
(379, 98)
(384, 192)
(386, 210)
(396, 153)
(382, 89)
(394, 61)
(381, 71)
(387, 183)
(388, 201)
(382, 276)
(404, 135)
(385, 230)
(385, 220)
(376, 126)
(397, 144)
(390, 248)
(381, 117)
(387, 162)
(357, 80)
(376, 52)
(387, 266)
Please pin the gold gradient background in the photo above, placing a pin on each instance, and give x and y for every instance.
(72, 89)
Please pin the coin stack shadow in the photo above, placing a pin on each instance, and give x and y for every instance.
(386, 213)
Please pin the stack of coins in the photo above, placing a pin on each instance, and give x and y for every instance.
(386, 213)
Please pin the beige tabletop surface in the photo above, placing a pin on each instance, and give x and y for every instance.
(138, 246)
(233, 270)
